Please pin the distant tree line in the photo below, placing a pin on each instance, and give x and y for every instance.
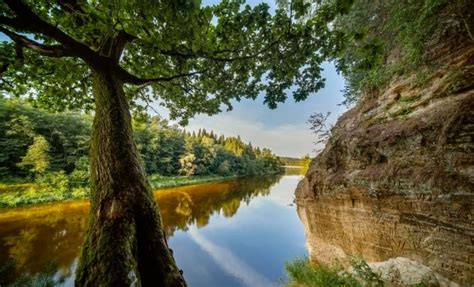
(34, 142)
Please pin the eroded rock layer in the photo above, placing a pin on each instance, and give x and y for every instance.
(397, 175)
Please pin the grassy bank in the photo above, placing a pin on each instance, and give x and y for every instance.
(158, 182)
(20, 194)
(303, 273)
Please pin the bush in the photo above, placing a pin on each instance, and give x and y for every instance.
(224, 168)
(79, 177)
(80, 192)
(55, 182)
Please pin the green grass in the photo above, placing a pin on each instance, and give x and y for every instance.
(174, 181)
(15, 187)
(39, 194)
(302, 273)
(14, 195)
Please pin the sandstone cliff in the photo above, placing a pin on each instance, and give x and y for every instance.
(396, 178)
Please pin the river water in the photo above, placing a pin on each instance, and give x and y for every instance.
(233, 233)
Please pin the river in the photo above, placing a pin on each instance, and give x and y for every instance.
(233, 233)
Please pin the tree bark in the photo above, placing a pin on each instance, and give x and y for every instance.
(125, 243)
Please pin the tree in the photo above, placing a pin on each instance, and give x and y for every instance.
(37, 156)
(188, 167)
(107, 55)
(16, 132)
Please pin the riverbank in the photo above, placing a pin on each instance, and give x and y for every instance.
(161, 182)
(27, 193)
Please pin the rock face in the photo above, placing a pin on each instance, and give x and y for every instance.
(396, 178)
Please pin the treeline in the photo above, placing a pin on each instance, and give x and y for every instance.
(34, 142)
(168, 150)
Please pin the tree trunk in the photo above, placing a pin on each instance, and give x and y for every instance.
(125, 243)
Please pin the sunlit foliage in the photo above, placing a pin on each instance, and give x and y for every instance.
(379, 40)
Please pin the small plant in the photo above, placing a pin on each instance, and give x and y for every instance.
(320, 128)
(363, 271)
(301, 272)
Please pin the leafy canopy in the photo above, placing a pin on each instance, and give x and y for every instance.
(190, 57)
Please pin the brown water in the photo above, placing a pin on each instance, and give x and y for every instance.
(233, 233)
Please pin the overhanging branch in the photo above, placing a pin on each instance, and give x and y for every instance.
(214, 56)
(119, 42)
(12, 22)
(55, 51)
(128, 78)
(27, 20)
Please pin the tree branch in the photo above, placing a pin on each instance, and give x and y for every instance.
(70, 6)
(12, 22)
(213, 56)
(29, 21)
(55, 51)
(119, 42)
(128, 78)
(73, 8)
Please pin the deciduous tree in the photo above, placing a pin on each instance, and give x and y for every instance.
(108, 55)
(36, 158)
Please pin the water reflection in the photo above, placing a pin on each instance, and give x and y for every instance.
(229, 261)
(33, 237)
(295, 170)
(194, 205)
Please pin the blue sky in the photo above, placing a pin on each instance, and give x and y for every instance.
(284, 130)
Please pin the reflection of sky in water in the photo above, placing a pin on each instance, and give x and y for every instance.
(228, 261)
(249, 249)
(236, 233)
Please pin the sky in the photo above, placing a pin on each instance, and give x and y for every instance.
(284, 130)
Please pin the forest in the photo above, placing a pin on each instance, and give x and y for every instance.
(44, 156)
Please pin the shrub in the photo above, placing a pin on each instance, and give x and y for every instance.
(224, 168)
(55, 182)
